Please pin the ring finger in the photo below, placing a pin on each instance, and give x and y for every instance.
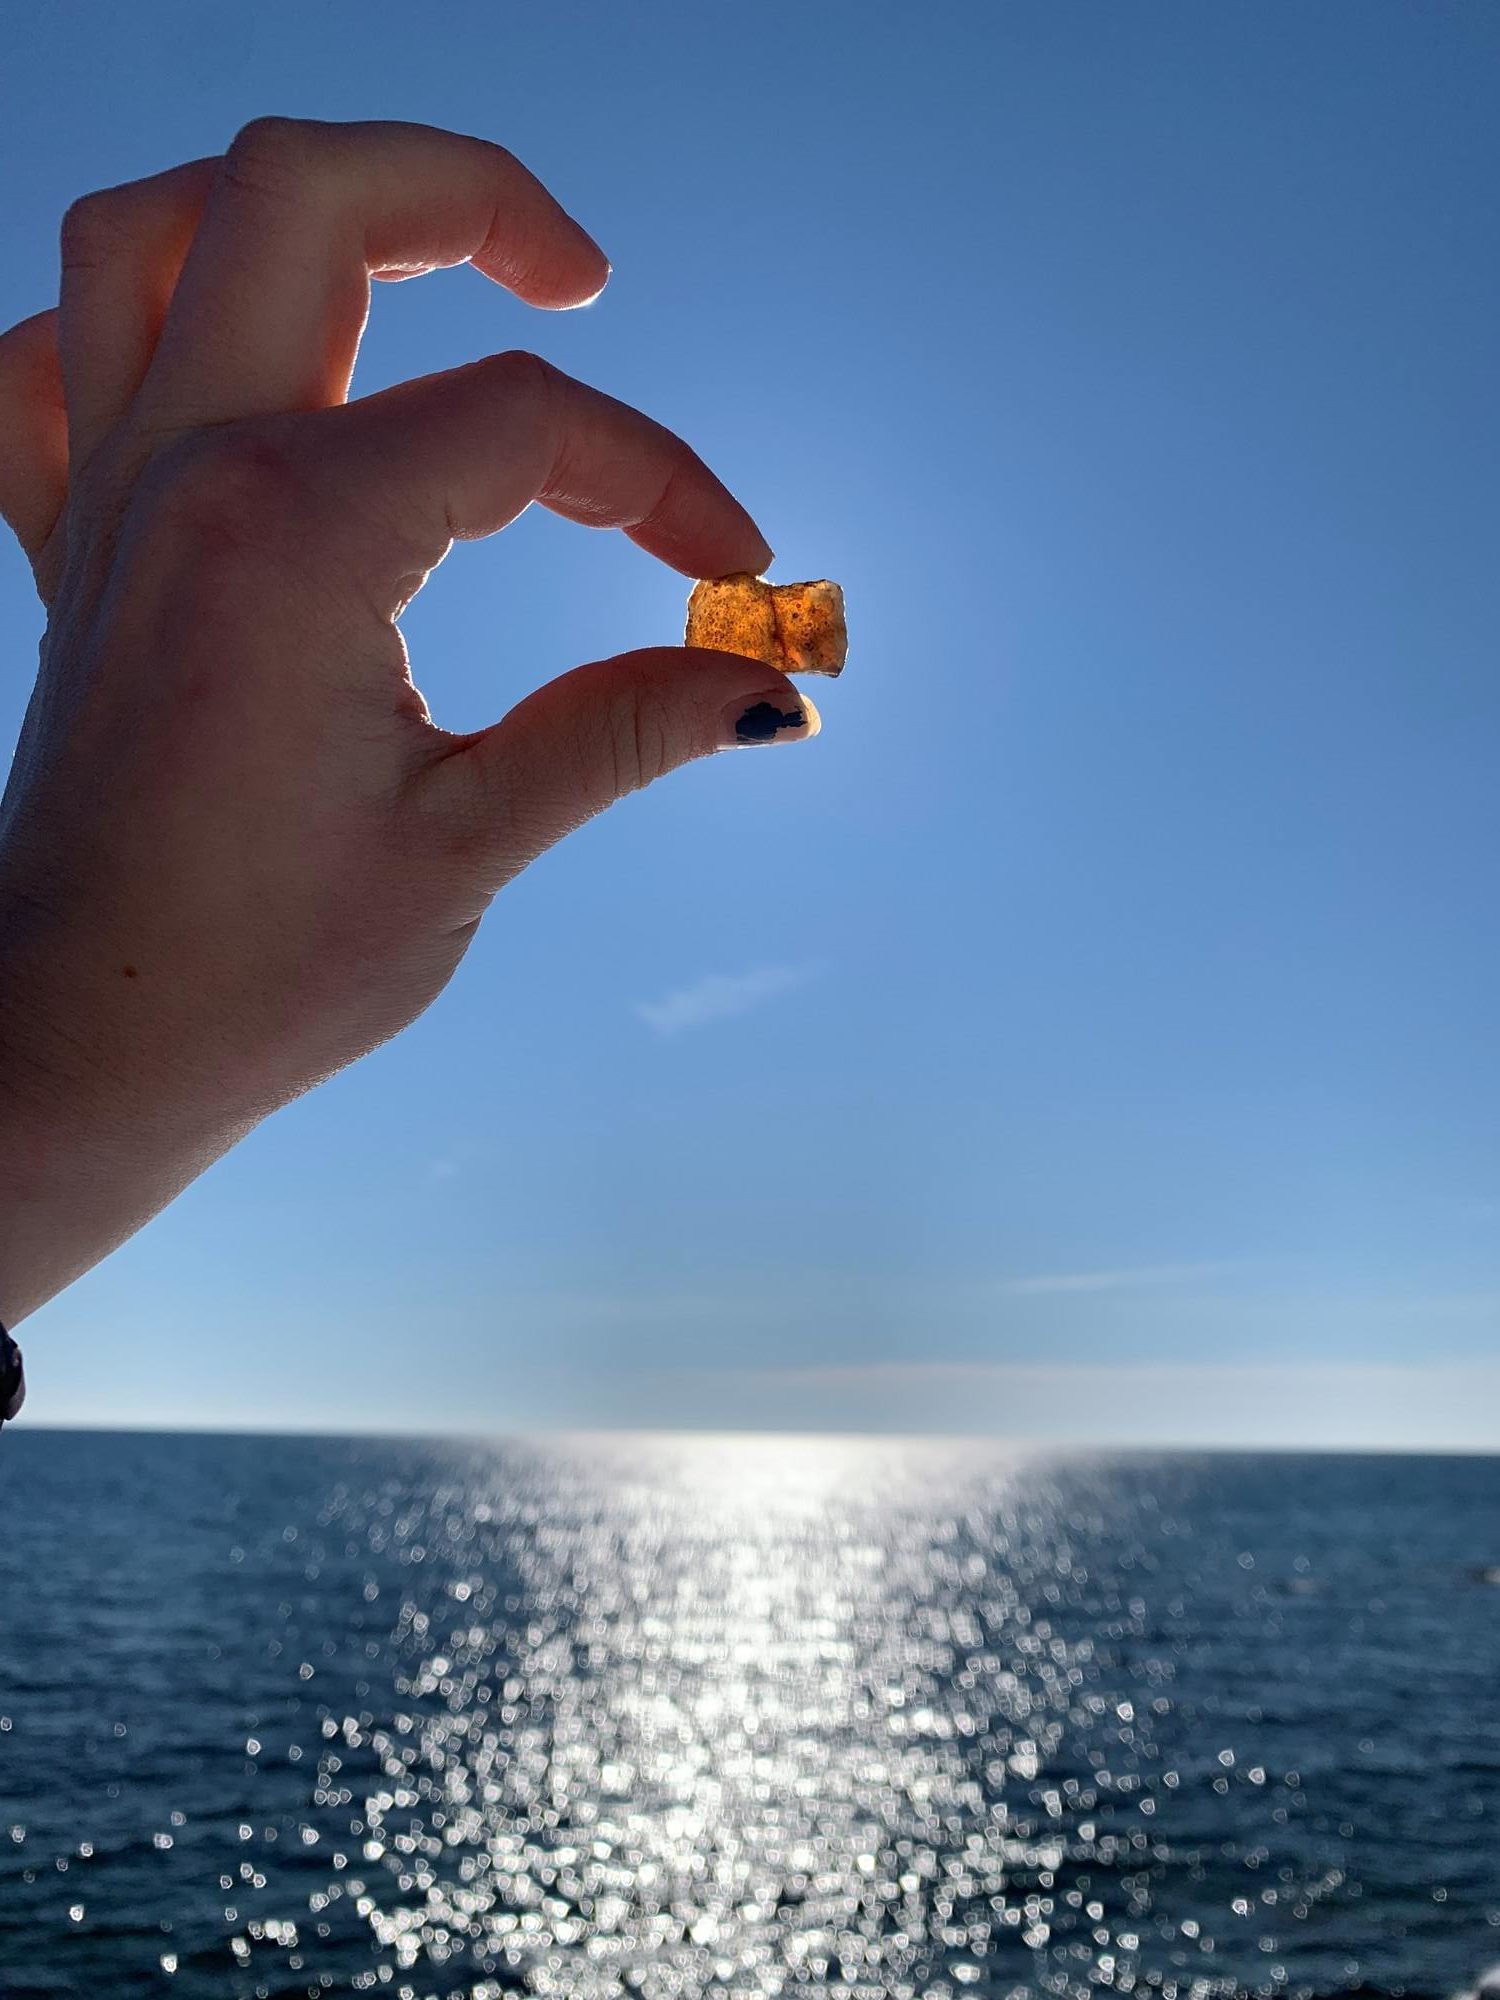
(123, 250)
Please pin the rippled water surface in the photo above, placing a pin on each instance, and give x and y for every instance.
(679, 1717)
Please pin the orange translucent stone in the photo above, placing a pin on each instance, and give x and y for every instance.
(798, 627)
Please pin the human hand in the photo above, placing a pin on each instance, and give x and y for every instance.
(236, 852)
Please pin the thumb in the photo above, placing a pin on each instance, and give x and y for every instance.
(601, 731)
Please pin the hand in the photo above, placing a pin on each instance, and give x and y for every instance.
(236, 852)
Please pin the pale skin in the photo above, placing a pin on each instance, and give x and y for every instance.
(236, 850)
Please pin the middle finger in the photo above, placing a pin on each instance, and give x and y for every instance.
(273, 298)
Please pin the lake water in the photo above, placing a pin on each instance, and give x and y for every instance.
(670, 1717)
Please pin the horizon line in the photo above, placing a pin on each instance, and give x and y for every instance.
(998, 1440)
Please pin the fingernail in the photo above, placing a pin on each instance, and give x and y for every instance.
(773, 719)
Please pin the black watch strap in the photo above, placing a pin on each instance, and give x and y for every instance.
(12, 1378)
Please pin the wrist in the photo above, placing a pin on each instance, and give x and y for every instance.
(96, 1135)
(75, 1183)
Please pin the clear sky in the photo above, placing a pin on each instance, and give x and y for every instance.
(1094, 1032)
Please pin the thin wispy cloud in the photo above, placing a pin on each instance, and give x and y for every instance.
(1138, 1277)
(720, 997)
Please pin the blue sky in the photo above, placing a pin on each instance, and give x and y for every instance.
(1094, 1032)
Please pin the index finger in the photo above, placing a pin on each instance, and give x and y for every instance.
(460, 455)
(273, 298)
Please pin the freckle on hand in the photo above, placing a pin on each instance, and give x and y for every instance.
(127, 972)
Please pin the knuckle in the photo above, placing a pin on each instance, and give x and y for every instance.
(223, 486)
(520, 372)
(528, 388)
(20, 345)
(91, 229)
(270, 156)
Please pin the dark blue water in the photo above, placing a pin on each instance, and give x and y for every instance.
(658, 1718)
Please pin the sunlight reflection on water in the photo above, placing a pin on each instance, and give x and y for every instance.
(677, 1716)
